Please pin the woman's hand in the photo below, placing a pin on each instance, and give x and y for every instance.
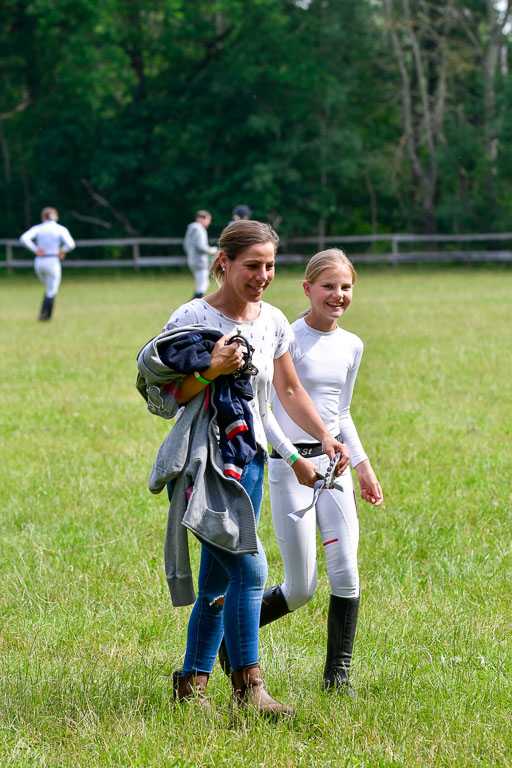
(368, 483)
(224, 359)
(305, 471)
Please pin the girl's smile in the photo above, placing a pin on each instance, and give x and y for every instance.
(330, 296)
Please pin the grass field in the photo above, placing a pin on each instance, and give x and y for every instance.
(88, 635)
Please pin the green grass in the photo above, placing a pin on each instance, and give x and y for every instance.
(88, 635)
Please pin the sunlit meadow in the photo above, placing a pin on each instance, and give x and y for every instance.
(88, 635)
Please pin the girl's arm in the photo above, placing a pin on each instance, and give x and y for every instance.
(299, 406)
(368, 483)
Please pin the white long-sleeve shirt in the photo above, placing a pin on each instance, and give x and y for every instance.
(49, 237)
(327, 366)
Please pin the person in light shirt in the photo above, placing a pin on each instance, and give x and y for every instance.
(199, 253)
(50, 242)
(326, 359)
(230, 584)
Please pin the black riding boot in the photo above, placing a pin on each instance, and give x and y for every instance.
(341, 631)
(46, 308)
(273, 606)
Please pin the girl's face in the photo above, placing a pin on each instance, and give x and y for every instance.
(251, 272)
(330, 296)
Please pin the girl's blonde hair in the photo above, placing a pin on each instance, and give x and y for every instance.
(332, 257)
(238, 236)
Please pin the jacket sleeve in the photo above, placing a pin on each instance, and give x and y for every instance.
(157, 383)
(27, 239)
(67, 242)
(201, 241)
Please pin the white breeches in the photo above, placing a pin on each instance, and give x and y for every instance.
(335, 515)
(49, 272)
(202, 278)
(199, 265)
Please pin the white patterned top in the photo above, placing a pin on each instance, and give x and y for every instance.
(270, 336)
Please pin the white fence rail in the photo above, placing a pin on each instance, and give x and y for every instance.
(133, 251)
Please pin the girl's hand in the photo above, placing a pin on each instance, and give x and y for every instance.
(305, 471)
(368, 483)
(330, 447)
(224, 359)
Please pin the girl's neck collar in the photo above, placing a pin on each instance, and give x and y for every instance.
(307, 320)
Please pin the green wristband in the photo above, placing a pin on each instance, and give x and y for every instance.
(201, 378)
(293, 458)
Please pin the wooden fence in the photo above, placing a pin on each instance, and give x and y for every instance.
(139, 252)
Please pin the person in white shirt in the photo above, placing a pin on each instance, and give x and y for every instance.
(326, 358)
(230, 586)
(199, 253)
(50, 242)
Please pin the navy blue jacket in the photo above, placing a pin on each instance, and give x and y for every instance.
(191, 352)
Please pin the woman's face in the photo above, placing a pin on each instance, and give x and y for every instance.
(330, 296)
(251, 272)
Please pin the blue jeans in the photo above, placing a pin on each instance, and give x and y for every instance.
(240, 579)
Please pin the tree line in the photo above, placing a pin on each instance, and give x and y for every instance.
(328, 116)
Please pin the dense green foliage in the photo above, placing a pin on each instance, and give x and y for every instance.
(332, 115)
(88, 635)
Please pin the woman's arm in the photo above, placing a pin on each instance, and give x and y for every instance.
(304, 469)
(224, 359)
(300, 407)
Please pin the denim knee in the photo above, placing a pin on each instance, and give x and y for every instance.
(252, 570)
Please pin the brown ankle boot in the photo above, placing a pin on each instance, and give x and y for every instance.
(190, 686)
(249, 690)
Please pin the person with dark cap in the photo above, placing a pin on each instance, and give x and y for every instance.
(241, 212)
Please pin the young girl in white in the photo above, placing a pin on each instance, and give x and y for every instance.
(327, 359)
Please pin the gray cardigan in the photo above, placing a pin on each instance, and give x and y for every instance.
(218, 508)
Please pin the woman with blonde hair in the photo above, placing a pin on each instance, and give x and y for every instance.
(326, 359)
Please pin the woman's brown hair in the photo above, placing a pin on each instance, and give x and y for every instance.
(237, 237)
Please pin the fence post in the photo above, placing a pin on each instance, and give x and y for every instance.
(136, 257)
(8, 258)
(394, 251)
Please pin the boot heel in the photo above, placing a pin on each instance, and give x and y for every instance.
(175, 677)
